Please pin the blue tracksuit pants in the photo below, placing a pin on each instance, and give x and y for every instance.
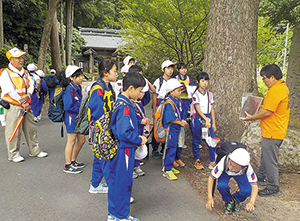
(51, 94)
(197, 137)
(100, 169)
(243, 183)
(172, 152)
(120, 183)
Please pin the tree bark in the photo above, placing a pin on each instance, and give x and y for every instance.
(1, 25)
(230, 60)
(46, 33)
(62, 36)
(69, 27)
(55, 48)
(293, 78)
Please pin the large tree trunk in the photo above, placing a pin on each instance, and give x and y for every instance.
(62, 36)
(69, 27)
(293, 79)
(1, 26)
(55, 49)
(230, 60)
(46, 33)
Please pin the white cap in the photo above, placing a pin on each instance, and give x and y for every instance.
(15, 52)
(170, 86)
(125, 68)
(52, 71)
(71, 69)
(31, 67)
(127, 59)
(146, 88)
(167, 63)
(40, 73)
(240, 156)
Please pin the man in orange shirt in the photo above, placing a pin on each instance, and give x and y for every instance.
(274, 118)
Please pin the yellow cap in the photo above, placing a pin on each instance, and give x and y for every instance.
(15, 52)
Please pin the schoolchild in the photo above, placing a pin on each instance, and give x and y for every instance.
(159, 84)
(174, 119)
(203, 102)
(34, 76)
(146, 98)
(121, 166)
(129, 60)
(101, 101)
(117, 86)
(51, 82)
(38, 96)
(237, 166)
(142, 122)
(187, 81)
(72, 98)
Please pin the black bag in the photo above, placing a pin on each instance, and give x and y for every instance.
(65, 81)
(4, 104)
(51, 82)
(226, 148)
(56, 108)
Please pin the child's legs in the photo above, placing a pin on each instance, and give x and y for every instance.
(136, 163)
(244, 186)
(178, 153)
(97, 173)
(170, 151)
(197, 136)
(51, 94)
(78, 145)
(120, 183)
(71, 139)
(154, 144)
(186, 104)
(223, 187)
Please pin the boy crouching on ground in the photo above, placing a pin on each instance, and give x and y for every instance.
(236, 166)
(125, 128)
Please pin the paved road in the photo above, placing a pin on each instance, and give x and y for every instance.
(37, 189)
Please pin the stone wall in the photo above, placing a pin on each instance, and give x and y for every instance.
(288, 154)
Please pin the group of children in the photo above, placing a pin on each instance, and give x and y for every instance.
(133, 93)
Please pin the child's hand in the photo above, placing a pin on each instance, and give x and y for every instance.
(214, 127)
(144, 122)
(207, 123)
(250, 206)
(144, 140)
(183, 123)
(210, 204)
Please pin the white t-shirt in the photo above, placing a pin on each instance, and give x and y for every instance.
(160, 89)
(201, 99)
(117, 86)
(219, 169)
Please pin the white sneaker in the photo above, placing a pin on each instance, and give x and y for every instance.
(17, 159)
(200, 146)
(40, 155)
(111, 217)
(139, 171)
(135, 175)
(99, 189)
(131, 199)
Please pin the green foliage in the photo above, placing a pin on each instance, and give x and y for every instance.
(271, 42)
(156, 30)
(23, 23)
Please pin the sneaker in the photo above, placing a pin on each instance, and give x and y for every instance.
(131, 199)
(180, 163)
(169, 175)
(142, 163)
(71, 169)
(184, 146)
(200, 146)
(128, 218)
(35, 119)
(156, 155)
(77, 164)
(268, 192)
(175, 171)
(99, 189)
(40, 155)
(17, 159)
(228, 208)
(198, 165)
(111, 217)
(236, 206)
(262, 182)
(135, 175)
(212, 165)
(139, 171)
(39, 117)
(175, 164)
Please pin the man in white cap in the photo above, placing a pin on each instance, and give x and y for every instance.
(51, 82)
(17, 88)
(236, 165)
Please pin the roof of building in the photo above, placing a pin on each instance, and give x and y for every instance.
(106, 39)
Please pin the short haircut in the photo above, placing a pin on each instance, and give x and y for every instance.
(271, 70)
(181, 65)
(77, 73)
(202, 75)
(135, 68)
(105, 66)
(133, 78)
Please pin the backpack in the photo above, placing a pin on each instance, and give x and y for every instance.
(65, 81)
(51, 82)
(161, 133)
(105, 144)
(56, 108)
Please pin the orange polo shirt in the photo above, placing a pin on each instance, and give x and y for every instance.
(276, 100)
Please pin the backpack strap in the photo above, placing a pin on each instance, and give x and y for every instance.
(161, 81)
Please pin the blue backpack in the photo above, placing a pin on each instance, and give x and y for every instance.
(56, 108)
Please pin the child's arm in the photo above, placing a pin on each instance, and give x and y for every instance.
(197, 108)
(154, 98)
(250, 205)
(213, 121)
(182, 123)
(151, 87)
(210, 200)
